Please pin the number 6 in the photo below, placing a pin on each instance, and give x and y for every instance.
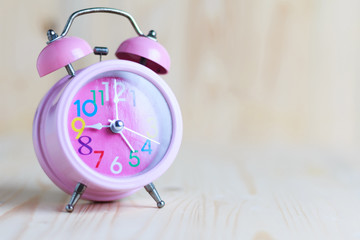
(114, 164)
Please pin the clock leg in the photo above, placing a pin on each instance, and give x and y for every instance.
(150, 188)
(79, 190)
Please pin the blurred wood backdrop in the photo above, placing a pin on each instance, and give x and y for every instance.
(243, 71)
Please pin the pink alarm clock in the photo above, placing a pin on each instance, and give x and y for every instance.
(103, 132)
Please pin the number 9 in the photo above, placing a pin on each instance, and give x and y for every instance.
(78, 130)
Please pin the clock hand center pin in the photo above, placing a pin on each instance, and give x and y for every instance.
(116, 126)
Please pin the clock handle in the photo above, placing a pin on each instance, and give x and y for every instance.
(99, 10)
(150, 188)
(61, 51)
(79, 190)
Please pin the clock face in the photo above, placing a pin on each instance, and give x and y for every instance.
(119, 124)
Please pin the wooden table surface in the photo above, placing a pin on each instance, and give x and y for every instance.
(274, 191)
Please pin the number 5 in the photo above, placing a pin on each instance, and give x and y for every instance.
(137, 158)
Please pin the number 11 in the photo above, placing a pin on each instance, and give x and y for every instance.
(102, 96)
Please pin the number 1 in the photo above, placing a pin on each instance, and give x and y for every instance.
(102, 96)
(134, 99)
(106, 90)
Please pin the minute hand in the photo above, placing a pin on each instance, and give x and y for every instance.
(128, 129)
(116, 100)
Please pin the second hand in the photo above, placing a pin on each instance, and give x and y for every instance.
(139, 134)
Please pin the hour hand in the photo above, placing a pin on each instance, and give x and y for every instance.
(97, 126)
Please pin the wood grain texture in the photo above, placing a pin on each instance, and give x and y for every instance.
(211, 192)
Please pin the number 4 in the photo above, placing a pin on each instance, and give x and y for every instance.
(148, 145)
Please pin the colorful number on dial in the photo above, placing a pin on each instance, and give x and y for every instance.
(116, 167)
(136, 157)
(82, 107)
(108, 99)
(94, 96)
(147, 147)
(85, 148)
(100, 157)
(78, 130)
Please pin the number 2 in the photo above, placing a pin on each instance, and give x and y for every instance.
(122, 89)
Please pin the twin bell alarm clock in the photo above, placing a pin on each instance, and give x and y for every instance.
(103, 132)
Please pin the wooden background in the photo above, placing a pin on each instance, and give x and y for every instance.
(269, 95)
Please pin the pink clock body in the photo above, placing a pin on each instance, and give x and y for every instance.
(72, 129)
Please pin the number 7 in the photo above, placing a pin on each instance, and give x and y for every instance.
(100, 158)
